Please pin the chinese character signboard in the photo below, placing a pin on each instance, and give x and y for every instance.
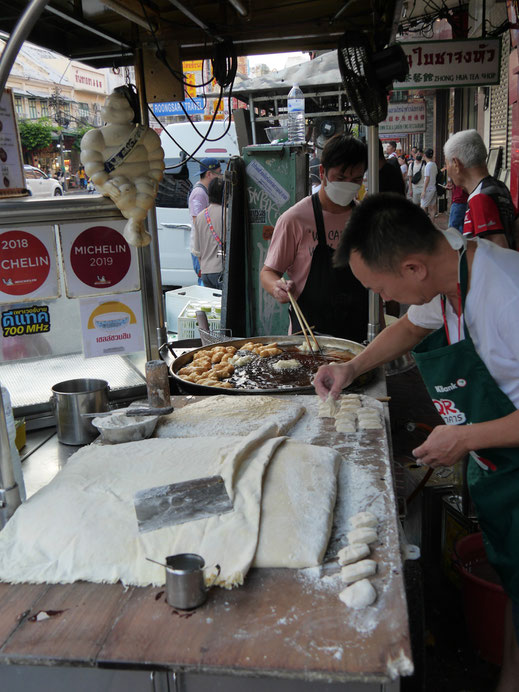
(436, 64)
(404, 119)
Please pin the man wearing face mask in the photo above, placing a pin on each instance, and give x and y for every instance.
(303, 242)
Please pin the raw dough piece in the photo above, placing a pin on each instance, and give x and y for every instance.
(82, 525)
(369, 409)
(346, 415)
(358, 570)
(362, 535)
(238, 361)
(370, 425)
(359, 595)
(363, 519)
(291, 364)
(351, 397)
(305, 348)
(229, 415)
(349, 408)
(353, 553)
(297, 508)
(345, 426)
(328, 408)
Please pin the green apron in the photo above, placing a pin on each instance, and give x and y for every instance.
(464, 392)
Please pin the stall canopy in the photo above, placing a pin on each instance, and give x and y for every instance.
(319, 79)
(104, 33)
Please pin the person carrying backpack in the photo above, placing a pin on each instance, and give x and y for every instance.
(415, 176)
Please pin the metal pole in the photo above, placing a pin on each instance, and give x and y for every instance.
(252, 120)
(9, 491)
(20, 33)
(150, 254)
(374, 300)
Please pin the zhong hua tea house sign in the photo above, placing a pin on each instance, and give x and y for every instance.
(446, 64)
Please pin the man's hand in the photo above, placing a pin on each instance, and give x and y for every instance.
(281, 289)
(446, 445)
(331, 379)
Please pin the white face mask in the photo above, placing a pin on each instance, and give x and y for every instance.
(341, 193)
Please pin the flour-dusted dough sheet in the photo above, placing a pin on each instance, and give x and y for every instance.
(225, 415)
(82, 525)
(299, 494)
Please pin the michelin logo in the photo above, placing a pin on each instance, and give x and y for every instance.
(459, 384)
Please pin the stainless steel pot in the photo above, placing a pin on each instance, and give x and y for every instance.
(72, 398)
(284, 340)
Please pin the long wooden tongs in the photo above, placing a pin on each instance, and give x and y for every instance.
(305, 327)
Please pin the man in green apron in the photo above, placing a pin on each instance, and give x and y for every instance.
(463, 327)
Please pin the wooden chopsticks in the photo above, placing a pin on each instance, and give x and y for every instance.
(305, 327)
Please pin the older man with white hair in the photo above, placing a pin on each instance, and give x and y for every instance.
(491, 212)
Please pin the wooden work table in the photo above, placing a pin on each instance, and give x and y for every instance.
(281, 625)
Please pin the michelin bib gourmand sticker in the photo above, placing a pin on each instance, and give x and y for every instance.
(98, 259)
(28, 265)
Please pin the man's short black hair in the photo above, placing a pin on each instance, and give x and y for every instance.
(215, 191)
(384, 229)
(392, 144)
(344, 151)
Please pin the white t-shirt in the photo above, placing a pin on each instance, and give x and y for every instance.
(431, 170)
(491, 311)
(414, 168)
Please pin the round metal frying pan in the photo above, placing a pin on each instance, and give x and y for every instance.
(285, 340)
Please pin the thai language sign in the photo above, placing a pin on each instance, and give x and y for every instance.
(98, 259)
(112, 326)
(22, 321)
(28, 268)
(12, 180)
(404, 118)
(437, 64)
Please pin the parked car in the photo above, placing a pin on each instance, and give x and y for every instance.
(41, 185)
(173, 217)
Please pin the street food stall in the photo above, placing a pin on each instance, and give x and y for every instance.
(81, 600)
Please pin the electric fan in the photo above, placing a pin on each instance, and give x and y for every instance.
(367, 76)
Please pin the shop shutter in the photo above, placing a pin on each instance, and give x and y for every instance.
(499, 111)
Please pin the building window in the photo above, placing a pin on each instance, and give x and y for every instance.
(84, 111)
(33, 113)
(18, 104)
(44, 109)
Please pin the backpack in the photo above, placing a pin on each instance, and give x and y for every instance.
(418, 175)
(440, 184)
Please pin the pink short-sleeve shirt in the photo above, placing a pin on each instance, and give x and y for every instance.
(295, 239)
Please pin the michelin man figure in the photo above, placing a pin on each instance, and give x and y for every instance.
(125, 162)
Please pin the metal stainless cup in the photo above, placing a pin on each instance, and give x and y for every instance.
(185, 586)
(70, 400)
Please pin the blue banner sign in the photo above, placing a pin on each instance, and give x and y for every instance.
(192, 106)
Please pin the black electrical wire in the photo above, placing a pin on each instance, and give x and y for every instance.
(224, 62)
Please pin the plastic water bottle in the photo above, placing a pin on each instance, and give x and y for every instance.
(296, 115)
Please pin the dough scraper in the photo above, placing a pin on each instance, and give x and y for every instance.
(179, 503)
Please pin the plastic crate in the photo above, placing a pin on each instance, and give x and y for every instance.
(188, 326)
(177, 300)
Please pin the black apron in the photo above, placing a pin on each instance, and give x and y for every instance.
(333, 300)
(464, 392)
